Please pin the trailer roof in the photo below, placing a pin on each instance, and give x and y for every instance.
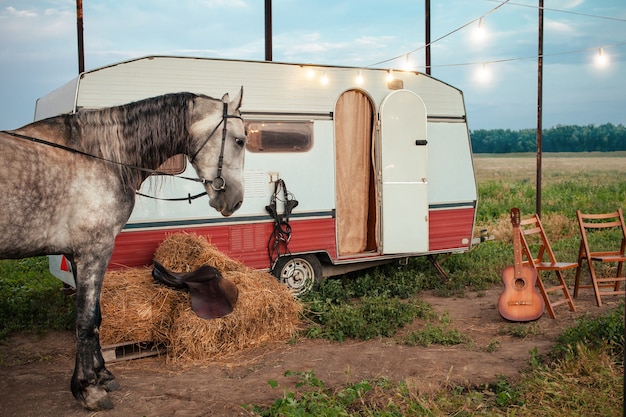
(269, 87)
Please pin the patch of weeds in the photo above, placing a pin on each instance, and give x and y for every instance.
(312, 398)
(595, 332)
(584, 382)
(439, 334)
(367, 318)
(505, 394)
(535, 358)
(31, 298)
(522, 330)
(435, 335)
(493, 345)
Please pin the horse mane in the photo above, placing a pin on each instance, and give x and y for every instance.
(142, 133)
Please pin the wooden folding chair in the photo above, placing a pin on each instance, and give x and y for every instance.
(591, 226)
(533, 234)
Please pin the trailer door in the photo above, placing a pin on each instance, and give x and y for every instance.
(403, 160)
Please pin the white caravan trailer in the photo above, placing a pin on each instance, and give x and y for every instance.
(379, 162)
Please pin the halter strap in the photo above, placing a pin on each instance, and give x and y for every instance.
(218, 183)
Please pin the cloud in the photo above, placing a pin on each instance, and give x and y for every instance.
(12, 11)
(571, 4)
(560, 28)
(19, 28)
(360, 50)
(237, 4)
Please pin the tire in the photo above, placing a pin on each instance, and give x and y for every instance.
(300, 273)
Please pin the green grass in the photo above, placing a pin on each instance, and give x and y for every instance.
(435, 334)
(31, 298)
(602, 194)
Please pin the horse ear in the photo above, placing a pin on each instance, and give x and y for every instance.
(237, 100)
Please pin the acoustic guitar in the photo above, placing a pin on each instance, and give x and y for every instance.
(520, 301)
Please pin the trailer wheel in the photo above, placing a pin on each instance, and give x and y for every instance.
(300, 273)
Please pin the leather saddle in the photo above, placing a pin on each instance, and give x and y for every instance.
(212, 296)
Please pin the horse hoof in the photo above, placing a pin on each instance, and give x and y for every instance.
(111, 385)
(96, 399)
(107, 381)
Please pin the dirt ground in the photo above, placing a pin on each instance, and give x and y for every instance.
(35, 371)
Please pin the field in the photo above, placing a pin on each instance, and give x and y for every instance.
(392, 341)
(591, 182)
(555, 167)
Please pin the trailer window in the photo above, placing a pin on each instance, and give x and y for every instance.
(275, 136)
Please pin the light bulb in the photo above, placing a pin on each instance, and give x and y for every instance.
(483, 74)
(390, 75)
(601, 59)
(407, 63)
(359, 78)
(480, 33)
(324, 79)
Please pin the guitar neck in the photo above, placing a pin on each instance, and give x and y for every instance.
(517, 252)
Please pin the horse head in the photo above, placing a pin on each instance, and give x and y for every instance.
(218, 140)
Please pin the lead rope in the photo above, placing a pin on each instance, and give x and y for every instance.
(278, 243)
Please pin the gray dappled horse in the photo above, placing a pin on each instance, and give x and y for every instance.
(67, 186)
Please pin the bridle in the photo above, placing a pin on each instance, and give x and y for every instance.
(218, 183)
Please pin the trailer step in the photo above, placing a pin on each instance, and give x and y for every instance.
(131, 350)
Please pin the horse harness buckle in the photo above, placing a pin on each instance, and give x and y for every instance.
(218, 183)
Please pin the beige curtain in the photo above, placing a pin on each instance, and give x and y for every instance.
(353, 137)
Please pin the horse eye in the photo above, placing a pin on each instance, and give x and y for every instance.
(240, 141)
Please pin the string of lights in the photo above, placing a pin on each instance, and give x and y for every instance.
(499, 61)
(565, 11)
(601, 58)
(478, 19)
(481, 19)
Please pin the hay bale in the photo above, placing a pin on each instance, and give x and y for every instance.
(135, 308)
(186, 252)
(265, 311)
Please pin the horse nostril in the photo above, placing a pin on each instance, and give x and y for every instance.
(237, 206)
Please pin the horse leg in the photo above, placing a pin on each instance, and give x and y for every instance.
(91, 379)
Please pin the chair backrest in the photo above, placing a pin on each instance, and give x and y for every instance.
(589, 223)
(533, 233)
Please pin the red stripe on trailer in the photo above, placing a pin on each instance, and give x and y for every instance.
(246, 243)
(450, 229)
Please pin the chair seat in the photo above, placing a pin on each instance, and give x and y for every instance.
(555, 266)
(608, 258)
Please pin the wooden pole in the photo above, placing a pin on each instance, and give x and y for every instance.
(539, 106)
(268, 30)
(427, 37)
(79, 32)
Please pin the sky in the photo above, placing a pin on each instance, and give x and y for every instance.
(497, 73)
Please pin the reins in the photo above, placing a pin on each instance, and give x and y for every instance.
(218, 183)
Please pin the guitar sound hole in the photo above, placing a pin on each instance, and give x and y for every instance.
(519, 283)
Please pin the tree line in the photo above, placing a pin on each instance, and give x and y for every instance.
(590, 138)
